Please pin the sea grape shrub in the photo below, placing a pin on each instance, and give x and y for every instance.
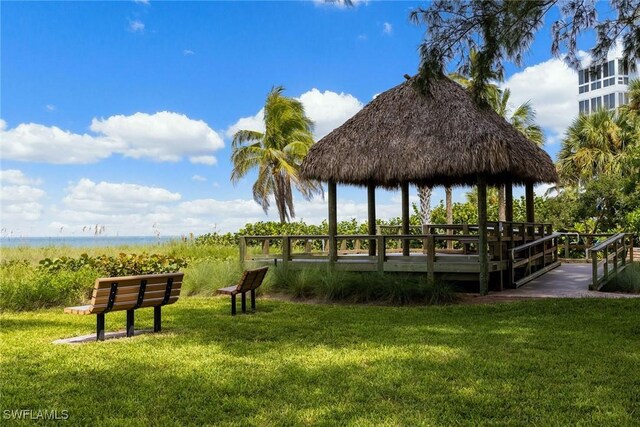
(121, 265)
(216, 239)
(65, 263)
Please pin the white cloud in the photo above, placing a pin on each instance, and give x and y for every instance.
(551, 87)
(20, 194)
(32, 142)
(17, 177)
(340, 4)
(188, 52)
(141, 1)
(255, 123)
(108, 197)
(362, 37)
(203, 160)
(136, 26)
(387, 28)
(19, 200)
(327, 110)
(50, 107)
(198, 178)
(163, 136)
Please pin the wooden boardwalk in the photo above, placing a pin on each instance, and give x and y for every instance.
(567, 281)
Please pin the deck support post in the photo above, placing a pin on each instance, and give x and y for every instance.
(530, 199)
(371, 219)
(448, 193)
(333, 222)
(508, 201)
(404, 188)
(508, 230)
(482, 234)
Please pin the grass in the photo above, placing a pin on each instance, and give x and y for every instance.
(628, 281)
(24, 287)
(174, 248)
(551, 362)
(332, 285)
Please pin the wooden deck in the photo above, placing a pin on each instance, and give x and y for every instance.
(518, 252)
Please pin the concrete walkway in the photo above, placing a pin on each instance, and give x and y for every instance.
(566, 281)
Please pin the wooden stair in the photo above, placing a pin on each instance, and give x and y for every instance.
(636, 254)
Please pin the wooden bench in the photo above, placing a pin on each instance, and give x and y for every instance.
(249, 282)
(131, 293)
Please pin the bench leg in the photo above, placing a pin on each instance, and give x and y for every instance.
(130, 322)
(233, 305)
(253, 299)
(244, 302)
(100, 327)
(157, 319)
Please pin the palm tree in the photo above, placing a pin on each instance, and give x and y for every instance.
(634, 96)
(276, 153)
(424, 193)
(523, 119)
(596, 144)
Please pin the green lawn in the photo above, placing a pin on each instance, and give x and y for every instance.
(553, 362)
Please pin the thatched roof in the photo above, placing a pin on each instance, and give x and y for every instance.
(442, 138)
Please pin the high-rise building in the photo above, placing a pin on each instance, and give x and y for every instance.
(605, 85)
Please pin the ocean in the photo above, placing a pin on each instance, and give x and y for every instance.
(84, 241)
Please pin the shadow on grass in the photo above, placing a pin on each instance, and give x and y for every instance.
(546, 362)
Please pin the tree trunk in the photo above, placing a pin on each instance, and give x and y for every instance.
(425, 204)
(448, 191)
(502, 206)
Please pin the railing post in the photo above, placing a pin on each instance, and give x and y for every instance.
(588, 242)
(286, 251)
(631, 249)
(343, 245)
(615, 257)
(594, 270)
(381, 246)
(243, 249)
(566, 246)
(431, 257)
(605, 267)
(265, 247)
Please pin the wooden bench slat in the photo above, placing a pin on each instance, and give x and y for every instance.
(127, 305)
(82, 309)
(133, 290)
(152, 279)
(128, 288)
(229, 290)
(156, 287)
(121, 298)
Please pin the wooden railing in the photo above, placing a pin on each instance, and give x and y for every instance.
(574, 245)
(609, 258)
(436, 239)
(533, 259)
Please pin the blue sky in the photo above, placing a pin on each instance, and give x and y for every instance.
(120, 113)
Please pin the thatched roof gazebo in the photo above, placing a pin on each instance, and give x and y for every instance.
(439, 138)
